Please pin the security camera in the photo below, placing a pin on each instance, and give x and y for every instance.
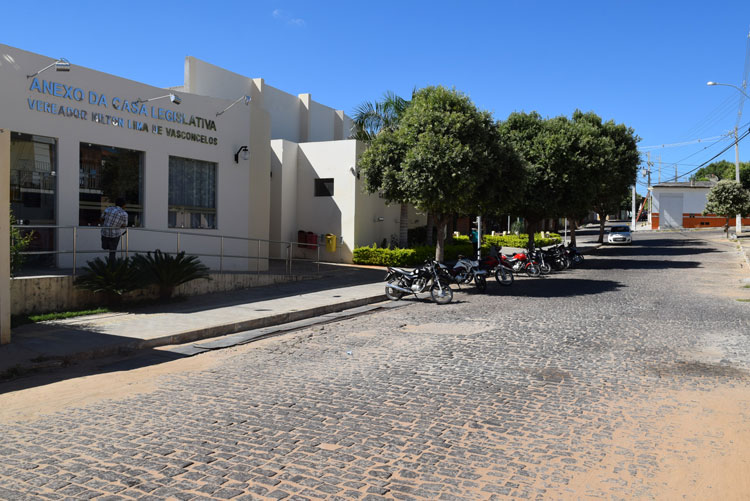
(175, 99)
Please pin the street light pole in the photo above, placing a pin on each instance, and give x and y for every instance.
(738, 220)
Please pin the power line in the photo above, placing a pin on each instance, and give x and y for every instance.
(672, 145)
(743, 136)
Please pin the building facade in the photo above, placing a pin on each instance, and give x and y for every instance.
(235, 166)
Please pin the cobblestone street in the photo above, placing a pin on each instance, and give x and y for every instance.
(626, 378)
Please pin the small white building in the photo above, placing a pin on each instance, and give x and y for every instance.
(681, 205)
(234, 165)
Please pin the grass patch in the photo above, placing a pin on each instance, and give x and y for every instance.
(17, 320)
(744, 300)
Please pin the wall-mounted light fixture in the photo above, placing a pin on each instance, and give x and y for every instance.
(172, 97)
(245, 98)
(245, 154)
(61, 64)
(379, 219)
(354, 171)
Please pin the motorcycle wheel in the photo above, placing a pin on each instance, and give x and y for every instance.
(444, 297)
(481, 282)
(533, 270)
(545, 268)
(393, 294)
(578, 259)
(507, 280)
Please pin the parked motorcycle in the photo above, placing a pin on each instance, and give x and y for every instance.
(493, 265)
(422, 279)
(466, 271)
(540, 257)
(519, 262)
(574, 256)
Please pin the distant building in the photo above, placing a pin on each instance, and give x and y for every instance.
(681, 205)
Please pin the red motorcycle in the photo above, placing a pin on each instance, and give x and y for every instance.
(519, 262)
(493, 264)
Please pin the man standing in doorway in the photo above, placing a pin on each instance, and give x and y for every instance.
(113, 218)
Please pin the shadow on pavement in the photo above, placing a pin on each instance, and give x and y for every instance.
(559, 287)
(53, 368)
(637, 264)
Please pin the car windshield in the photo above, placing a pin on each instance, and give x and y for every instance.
(619, 229)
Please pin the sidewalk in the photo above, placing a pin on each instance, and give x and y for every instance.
(238, 316)
(56, 343)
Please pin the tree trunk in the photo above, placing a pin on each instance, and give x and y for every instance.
(430, 226)
(602, 223)
(403, 227)
(573, 226)
(531, 226)
(727, 228)
(440, 246)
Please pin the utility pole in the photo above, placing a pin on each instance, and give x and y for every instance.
(738, 220)
(649, 196)
(632, 210)
(659, 169)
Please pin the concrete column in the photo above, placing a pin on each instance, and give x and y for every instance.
(259, 142)
(4, 236)
(304, 117)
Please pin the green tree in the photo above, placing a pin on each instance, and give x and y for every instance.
(558, 153)
(446, 156)
(579, 145)
(725, 170)
(370, 119)
(616, 170)
(727, 199)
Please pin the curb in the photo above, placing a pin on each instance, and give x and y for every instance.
(744, 253)
(129, 348)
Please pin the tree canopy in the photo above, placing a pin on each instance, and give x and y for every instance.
(446, 156)
(728, 198)
(370, 119)
(724, 170)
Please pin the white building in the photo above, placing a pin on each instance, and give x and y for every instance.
(200, 159)
(681, 205)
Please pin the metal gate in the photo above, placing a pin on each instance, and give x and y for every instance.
(670, 211)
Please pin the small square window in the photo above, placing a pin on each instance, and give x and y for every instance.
(324, 187)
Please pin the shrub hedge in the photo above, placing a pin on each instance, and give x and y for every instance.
(374, 255)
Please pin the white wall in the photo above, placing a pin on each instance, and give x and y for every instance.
(322, 119)
(283, 193)
(290, 117)
(285, 114)
(334, 214)
(242, 189)
(693, 198)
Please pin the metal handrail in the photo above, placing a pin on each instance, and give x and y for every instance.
(76, 230)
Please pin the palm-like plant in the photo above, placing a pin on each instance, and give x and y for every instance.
(372, 118)
(167, 271)
(111, 277)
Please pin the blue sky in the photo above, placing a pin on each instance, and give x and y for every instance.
(641, 63)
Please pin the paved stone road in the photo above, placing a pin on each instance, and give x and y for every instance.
(517, 393)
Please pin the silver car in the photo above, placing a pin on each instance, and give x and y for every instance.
(619, 235)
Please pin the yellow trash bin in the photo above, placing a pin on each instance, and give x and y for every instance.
(330, 242)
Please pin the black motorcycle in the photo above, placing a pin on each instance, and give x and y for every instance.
(422, 279)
